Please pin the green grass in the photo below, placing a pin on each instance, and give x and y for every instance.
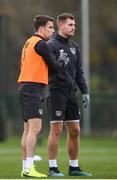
(97, 156)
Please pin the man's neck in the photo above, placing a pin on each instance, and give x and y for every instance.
(40, 35)
(62, 35)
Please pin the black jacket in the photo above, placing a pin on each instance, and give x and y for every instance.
(72, 77)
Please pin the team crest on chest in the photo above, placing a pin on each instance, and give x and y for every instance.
(73, 50)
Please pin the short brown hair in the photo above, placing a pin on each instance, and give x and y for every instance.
(41, 20)
(64, 16)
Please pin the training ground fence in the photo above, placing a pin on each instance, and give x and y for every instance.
(103, 115)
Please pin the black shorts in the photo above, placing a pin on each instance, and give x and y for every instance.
(62, 108)
(30, 98)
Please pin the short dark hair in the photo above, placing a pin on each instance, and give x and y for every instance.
(64, 17)
(41, 20)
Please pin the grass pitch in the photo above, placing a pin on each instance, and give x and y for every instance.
(97, 156)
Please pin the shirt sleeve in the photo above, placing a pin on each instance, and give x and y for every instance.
(81, 82)
(42, 49)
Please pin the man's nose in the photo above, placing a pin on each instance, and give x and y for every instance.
(74, 27)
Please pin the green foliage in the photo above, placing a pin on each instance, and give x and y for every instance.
(103, 35)
(97, 156)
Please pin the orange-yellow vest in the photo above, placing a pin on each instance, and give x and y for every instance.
(33, 67)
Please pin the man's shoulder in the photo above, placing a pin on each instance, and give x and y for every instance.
(52, 41)
(74, 44)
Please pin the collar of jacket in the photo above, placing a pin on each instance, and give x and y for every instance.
(60, 38)
(39, 36)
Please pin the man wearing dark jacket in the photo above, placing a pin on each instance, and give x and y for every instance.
(62, 101)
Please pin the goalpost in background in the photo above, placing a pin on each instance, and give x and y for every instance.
(85, 58)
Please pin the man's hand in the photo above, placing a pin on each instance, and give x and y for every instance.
(63, 59)
(85, 100)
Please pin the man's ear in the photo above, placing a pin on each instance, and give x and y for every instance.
(60, 25)
(41, 30)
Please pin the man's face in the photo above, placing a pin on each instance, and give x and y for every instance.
(67, 28)
(48, 30)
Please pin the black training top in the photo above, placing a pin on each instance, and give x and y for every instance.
(73, 77)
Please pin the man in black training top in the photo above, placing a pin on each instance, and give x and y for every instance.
(62, 101)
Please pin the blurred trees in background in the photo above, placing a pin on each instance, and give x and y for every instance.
(103, 35)
(103, 41)
(21, 14)
(103, 52)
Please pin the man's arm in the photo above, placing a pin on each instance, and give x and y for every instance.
(42, 49)
(82, 82)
